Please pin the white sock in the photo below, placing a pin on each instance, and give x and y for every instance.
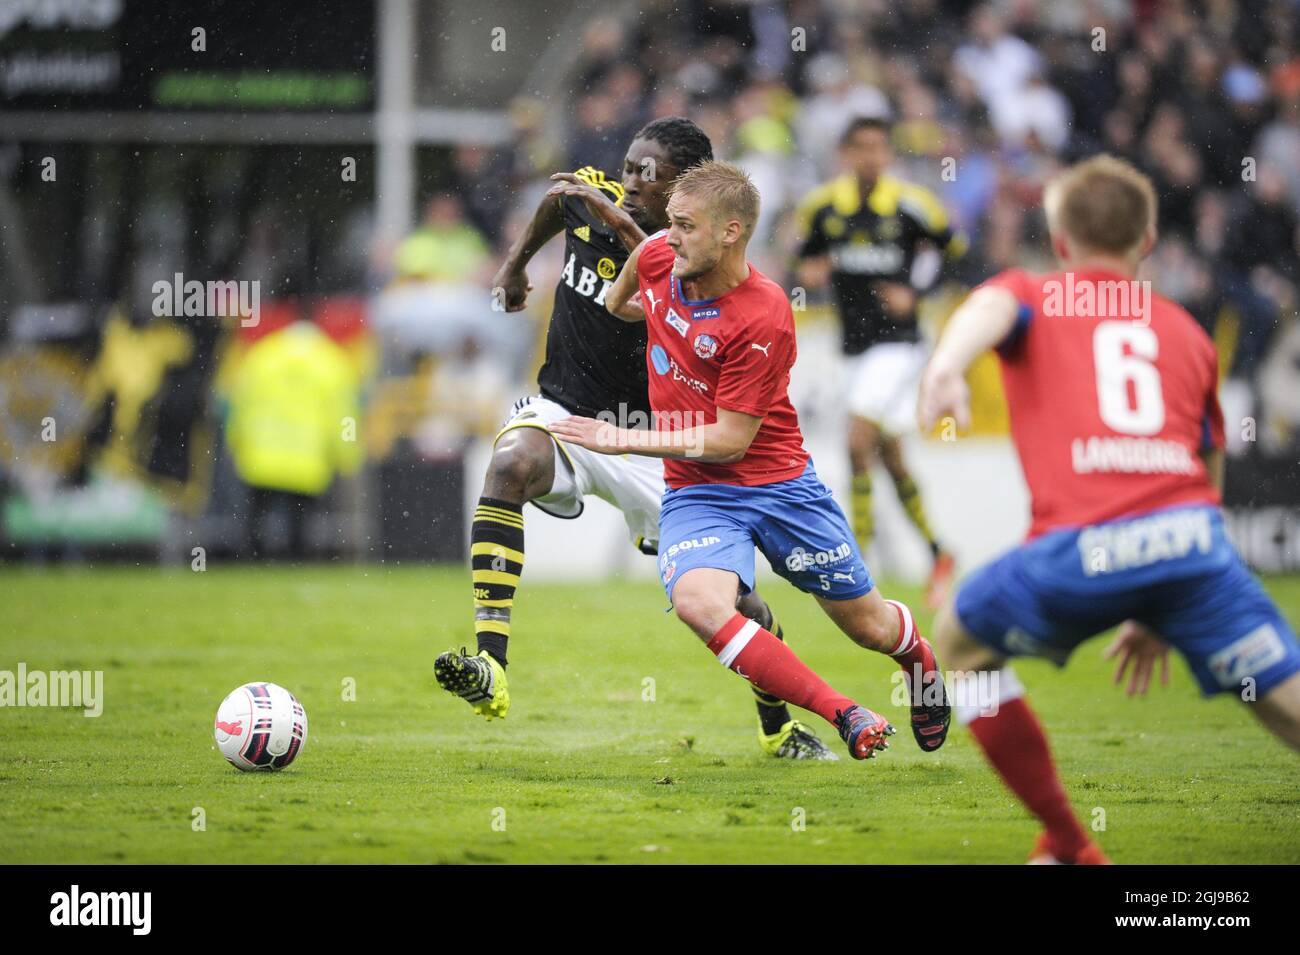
(907, 631)
(980, 693)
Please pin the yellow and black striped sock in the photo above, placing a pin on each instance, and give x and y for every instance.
(772, 711)
(910, 497)
(496, 557)
(864, 527)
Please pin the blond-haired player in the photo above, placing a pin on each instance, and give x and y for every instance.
(721, 345)
(1112, 393)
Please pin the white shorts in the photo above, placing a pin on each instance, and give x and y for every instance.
(633, 483)
(883, 382)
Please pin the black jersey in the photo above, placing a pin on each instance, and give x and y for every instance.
(869, 242)
(594, 361)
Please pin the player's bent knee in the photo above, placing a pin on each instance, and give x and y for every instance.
(701, 607)
(755, 608)
(702, 614)
(1279, 711)
(520, 465)
(956, 647)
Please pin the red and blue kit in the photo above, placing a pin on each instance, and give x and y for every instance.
(735, 352)
(1108, 411)
(1113, 398)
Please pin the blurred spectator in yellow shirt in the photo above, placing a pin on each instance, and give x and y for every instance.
(445, 248)
(293, 423)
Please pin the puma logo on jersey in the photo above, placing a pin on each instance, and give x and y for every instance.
(583, 232)
(650, 295)
(762, 348)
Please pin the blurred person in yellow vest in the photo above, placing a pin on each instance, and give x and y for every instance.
(439, 293)
(445, 248)
(293, 424)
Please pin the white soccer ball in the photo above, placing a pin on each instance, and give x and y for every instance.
(260, 726)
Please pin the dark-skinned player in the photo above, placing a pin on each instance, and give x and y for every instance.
(595, 366)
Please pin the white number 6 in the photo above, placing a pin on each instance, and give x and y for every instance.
(1145, 413)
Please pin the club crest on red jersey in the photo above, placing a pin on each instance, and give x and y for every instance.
(706, 346)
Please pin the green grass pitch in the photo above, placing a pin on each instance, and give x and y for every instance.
(585, 769)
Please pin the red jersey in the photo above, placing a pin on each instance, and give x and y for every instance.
(732, 352)
(1112, 392)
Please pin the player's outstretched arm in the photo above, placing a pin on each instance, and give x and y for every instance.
(510, 285)
(620, 299)
(601, 206)
(981, 322)
(725, 441)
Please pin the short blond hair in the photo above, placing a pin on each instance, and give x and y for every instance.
(1103, 204)
(726, 188)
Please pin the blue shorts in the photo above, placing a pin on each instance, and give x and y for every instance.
(796, 524)
(1173, 570)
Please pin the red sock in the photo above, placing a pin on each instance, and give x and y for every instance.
(742, 645)
(1014, 743)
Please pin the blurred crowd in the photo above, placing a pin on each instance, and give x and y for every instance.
(988, 100)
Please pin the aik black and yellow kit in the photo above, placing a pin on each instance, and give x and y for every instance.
(872, 241)
(594, 361)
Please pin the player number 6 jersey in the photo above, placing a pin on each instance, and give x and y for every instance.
(1113, 394)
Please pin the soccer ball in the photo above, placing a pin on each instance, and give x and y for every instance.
(260, 726)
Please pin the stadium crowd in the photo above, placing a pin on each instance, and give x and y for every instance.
(987, 101)
(1205, 97)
